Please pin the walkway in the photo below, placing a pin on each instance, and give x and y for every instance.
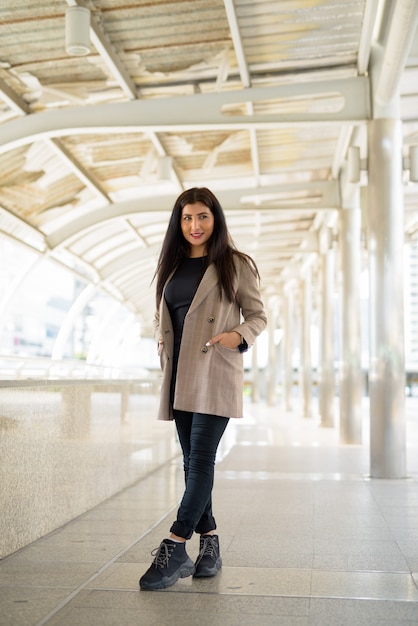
(307, 539)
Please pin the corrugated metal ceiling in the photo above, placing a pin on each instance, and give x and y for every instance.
(92, 195)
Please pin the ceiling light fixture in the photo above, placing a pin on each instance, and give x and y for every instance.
(77, 31)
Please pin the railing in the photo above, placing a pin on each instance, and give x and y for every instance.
(44, 368)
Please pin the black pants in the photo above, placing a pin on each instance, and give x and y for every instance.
(199, 436)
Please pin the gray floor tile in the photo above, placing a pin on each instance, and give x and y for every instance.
(130, 617)
(362, 612)
(76, 553)
(412, 560)
(21, 573)
(244, 581)
(290, 560)
(24, 606)
(307, 540)
(195, 608)
(350, 547)
(358, 562)
(373, 585)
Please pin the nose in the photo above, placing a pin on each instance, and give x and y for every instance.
(195, 223)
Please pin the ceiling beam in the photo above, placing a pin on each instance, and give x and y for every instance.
(10, 97)
(103, 46)
(371, 16)
(195, 112)
(237, 41)
(116, 68)
(245, 79)
(81, 172)
(326, 197)
(20, 106)
(125, 262)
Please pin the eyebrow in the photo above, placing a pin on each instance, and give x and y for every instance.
(201, 213)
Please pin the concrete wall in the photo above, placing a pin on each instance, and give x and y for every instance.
(67, 446)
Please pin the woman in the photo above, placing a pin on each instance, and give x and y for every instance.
(209, 311)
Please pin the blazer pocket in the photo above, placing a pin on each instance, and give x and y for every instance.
(228, 353)
(228, 361)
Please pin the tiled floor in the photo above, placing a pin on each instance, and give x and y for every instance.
(306, 537)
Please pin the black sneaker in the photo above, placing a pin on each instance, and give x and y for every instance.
(209, 561)
(171, 563)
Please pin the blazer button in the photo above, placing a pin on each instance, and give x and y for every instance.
(204, 349)
(211, 319)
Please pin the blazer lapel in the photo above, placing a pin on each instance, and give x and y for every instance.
(208, 282)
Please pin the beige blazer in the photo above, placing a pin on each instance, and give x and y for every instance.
(209, 379)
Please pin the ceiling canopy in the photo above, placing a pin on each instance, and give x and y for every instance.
(257, 100)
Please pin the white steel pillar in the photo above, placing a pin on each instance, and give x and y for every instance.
(386, 239)
(326, 377)
(288, 350)
(306, 357)
(271, 379)
(350, 372)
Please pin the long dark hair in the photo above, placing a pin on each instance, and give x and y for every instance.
(220, 247)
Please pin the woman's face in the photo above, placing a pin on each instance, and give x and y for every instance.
(197, 222)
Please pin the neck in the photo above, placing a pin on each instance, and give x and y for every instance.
(197, 254)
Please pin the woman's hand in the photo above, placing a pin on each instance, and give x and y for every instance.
(228, 340)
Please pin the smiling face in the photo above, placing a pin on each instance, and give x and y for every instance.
(197, 223)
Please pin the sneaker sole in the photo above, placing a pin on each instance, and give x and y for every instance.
(168, 581)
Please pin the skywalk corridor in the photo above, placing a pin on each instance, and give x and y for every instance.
(306, 537)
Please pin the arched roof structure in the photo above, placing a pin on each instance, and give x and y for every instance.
(258, 100)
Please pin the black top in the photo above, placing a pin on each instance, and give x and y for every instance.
(181, 289)
(178, 295)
